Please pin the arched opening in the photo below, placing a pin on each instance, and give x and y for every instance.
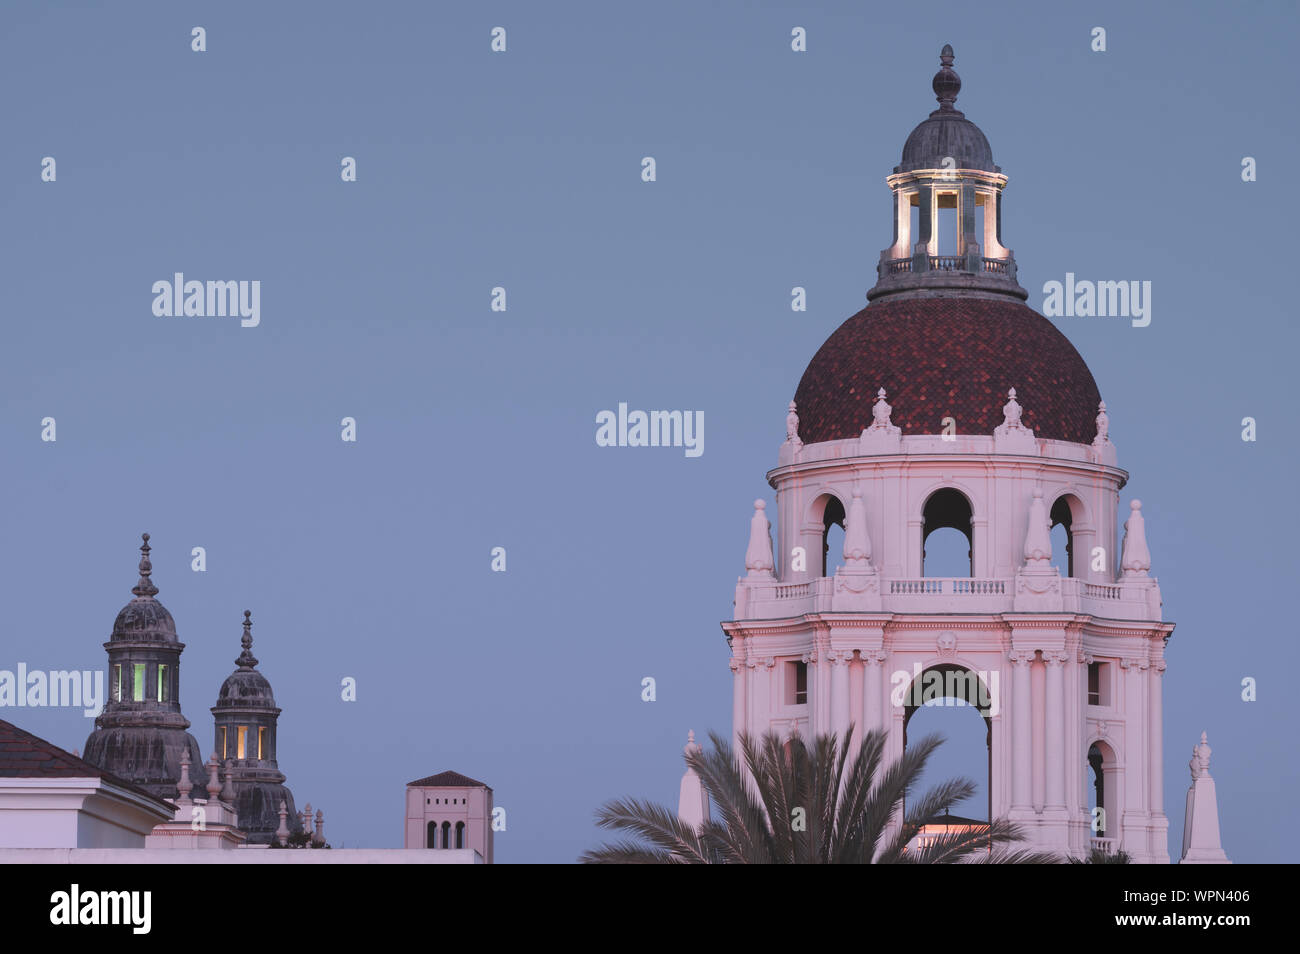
(947, 545)
(1103, 801)
(1062, 539)
(945, 227)
(431, 835)
(460, 834)
(832, 536)
(446, 834)
(957, 703)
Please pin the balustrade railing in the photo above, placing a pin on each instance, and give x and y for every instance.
(954, 586)
(949, 263)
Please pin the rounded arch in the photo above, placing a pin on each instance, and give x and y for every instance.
(826, 512)
(1101, 783)
(947, 508)
(954, 680)
(1070, 511)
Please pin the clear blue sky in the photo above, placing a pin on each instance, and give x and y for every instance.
(476, 428)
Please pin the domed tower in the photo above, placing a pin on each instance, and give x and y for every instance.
(245, 718)
(141, 734)
(948, 404)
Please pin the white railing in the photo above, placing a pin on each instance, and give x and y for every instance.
(1107, 845)
(952, 586)
(1101, 591)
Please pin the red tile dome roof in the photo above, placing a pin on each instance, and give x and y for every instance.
(947, 357)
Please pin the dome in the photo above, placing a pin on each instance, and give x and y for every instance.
(245, 689)
(947, 133)
(947, 357)
(943, 135)
(144, 618)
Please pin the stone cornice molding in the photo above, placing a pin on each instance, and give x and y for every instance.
(860, 466)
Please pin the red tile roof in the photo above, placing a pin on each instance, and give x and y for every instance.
(23, 755)
(448, 780)
(947, 357)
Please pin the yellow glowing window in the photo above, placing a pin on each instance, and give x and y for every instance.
(137, 684)
(261, 738)
(243, 739)
(162, 683)
(117, 682)
(223, 743)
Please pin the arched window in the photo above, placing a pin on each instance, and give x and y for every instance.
(460, 834)
(446, 834)
(1062, 539)
(947, 546)
(431, 835)
(832, 536)
(1103, 800)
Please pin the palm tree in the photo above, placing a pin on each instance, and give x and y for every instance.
(802, 805)
(1100, 856)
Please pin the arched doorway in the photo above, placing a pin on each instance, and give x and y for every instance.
(1102, 784)
(955, 702)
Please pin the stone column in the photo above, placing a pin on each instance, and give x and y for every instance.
(1055, 725)
(970, 245)
(1159, 822)
(1021, 744)
(840, 692)
(925, 229)
(873, 667)
(1136, 766)
(738, 697)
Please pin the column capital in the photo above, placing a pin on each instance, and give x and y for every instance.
(1054, 659)
(1134, 662)
(1020, 657)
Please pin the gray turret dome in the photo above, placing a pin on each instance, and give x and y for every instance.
(946, 132)
(246, 688)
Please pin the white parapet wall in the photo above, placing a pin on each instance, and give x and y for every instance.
(239, 856)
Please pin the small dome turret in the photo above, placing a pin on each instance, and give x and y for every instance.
(144, 618)
(246, 688)
(947, 134)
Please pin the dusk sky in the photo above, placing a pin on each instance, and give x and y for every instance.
(476, 428)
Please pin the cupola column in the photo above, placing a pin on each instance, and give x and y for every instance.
(924, 237)
(970, 246)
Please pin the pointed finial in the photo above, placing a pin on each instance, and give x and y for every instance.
(1103, 425)
(214, 786)
(758, 555)
(692, 747)
(1135, 558)
(246, 658)
(792, 426)
(282, 833)
(145, 588)
(184, 786)
(881, 410)
(228, 789)
(946, 84)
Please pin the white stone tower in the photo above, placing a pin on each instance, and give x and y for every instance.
(948, 403)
